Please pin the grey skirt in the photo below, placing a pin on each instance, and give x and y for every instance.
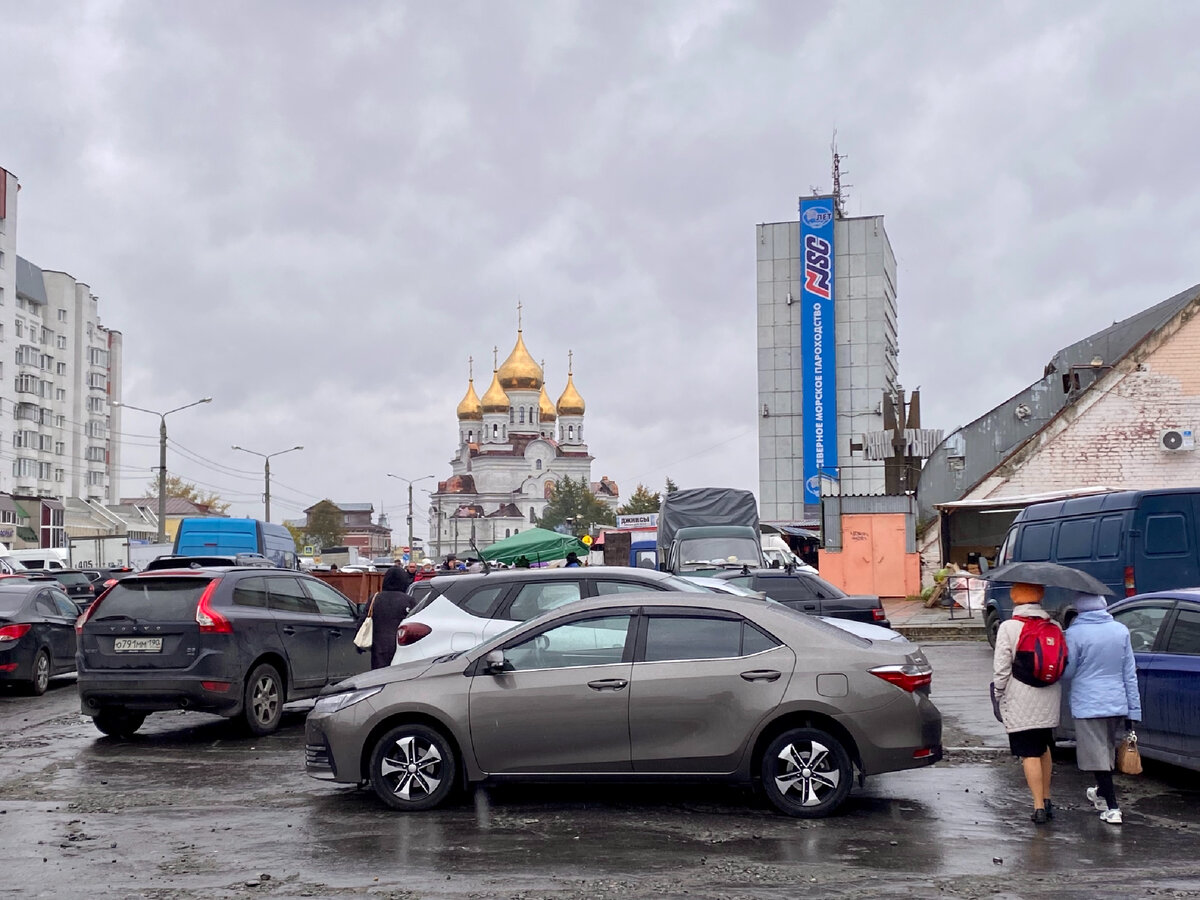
(1096, 742)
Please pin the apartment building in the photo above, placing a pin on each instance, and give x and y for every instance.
(60, 368)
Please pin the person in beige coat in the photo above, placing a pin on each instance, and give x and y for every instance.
(1030, 714)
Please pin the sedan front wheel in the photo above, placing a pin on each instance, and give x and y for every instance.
(806, 772)
(412, 768)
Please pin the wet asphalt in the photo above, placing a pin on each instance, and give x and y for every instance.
(192, 808)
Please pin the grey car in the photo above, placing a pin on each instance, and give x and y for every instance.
(633, 687)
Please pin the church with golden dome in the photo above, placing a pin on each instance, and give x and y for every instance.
(513, 445)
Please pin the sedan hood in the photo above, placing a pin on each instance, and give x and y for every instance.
(386, 675)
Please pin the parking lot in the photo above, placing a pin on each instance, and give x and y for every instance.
(192, 808)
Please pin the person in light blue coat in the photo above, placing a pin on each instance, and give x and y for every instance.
(1102, 684)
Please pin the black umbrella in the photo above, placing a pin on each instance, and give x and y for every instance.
(1049, 574)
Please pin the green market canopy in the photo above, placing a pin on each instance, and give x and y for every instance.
(535, 544)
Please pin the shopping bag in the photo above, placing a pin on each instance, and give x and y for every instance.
(366, 631)
(1129, 760)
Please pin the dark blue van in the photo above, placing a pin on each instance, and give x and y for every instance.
(214, 536)
(1133, 541)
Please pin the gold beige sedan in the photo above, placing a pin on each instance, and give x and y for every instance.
(637, 687)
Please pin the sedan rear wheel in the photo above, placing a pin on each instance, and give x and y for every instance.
(41, 673)
(263, 703)
(806, 772)
(412, 768)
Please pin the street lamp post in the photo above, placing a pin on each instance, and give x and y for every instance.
(267, 473)
(162, 456)
(410, 482)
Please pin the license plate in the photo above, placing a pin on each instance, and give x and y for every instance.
(138, 645)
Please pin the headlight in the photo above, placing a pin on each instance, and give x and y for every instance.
(327, 706)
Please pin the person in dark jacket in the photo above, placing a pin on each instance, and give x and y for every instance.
(388, 608)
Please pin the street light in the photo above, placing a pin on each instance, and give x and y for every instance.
(267, 472)
(162, 456)
(410, 482)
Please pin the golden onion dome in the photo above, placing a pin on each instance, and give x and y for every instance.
(570, 403)
(519, 372)
(495, 400)
(469, 408)
(546, 409)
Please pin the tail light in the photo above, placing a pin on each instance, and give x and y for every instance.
(1129, 588)
(13, 632)
(209, 620)
(91, 610)
(411, 633)
(878, 614)
(907, 677)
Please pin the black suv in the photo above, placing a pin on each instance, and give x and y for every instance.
(233, 640)
(77, 585)
(810, 594)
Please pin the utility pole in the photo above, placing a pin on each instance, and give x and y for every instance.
(410, 482)
(267, 473)
(162, 456)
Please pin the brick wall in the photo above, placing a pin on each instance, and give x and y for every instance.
(1111, 436)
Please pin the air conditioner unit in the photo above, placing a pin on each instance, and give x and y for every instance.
(1177, 439)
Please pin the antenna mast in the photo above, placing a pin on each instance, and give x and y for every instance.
(840, 192)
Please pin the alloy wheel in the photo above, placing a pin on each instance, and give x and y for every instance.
(412, 768)
(807, 773)
(41, 673)
(264, 699)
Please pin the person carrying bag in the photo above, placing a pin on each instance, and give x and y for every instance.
(1102, 678)
(365, 636)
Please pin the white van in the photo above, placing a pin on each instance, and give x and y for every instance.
(44, 557)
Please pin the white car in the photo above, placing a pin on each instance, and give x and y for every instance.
(861, 629)
(460, 611)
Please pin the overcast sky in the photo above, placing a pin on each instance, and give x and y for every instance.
(316, 212)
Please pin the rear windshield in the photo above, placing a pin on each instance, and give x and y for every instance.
(11, 601)
(156, 599)
(72, 578)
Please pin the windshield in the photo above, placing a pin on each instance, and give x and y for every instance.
(156, 599)
(72, 578)
(704, 553)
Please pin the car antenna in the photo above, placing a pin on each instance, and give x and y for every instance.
(479, 553)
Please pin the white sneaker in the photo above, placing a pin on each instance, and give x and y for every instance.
(1111, 816)
(1097, 801)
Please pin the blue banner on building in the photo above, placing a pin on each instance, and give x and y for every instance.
(817, 349)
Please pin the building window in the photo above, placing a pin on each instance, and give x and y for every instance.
(60, 368)
(59, 448)
(45, 471)
(19, 327)
(61, 342)
(537, 465)
(508, 532)
(511, 413)
(495, 430)
(59, 475)
(470, 437)
(60, 393)
(532, 517)
(570, 432)
(522, 415)
(1, 296)
(62, 315)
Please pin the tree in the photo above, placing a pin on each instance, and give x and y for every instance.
(299, 538)
(574, 501)
(326, 525)
(672, 487)
(641, 501)
(185, 490)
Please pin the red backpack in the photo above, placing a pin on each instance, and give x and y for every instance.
(1041, 653)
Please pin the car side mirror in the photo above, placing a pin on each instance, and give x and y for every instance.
(494, 662)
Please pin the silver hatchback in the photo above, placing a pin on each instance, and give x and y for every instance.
(636, 687)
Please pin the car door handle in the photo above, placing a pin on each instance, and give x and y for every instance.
(608, 684)
(761, 675)
(288, 629)
(336, 632)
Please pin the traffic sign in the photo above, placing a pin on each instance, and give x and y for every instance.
(309, 550)
(587, 540)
